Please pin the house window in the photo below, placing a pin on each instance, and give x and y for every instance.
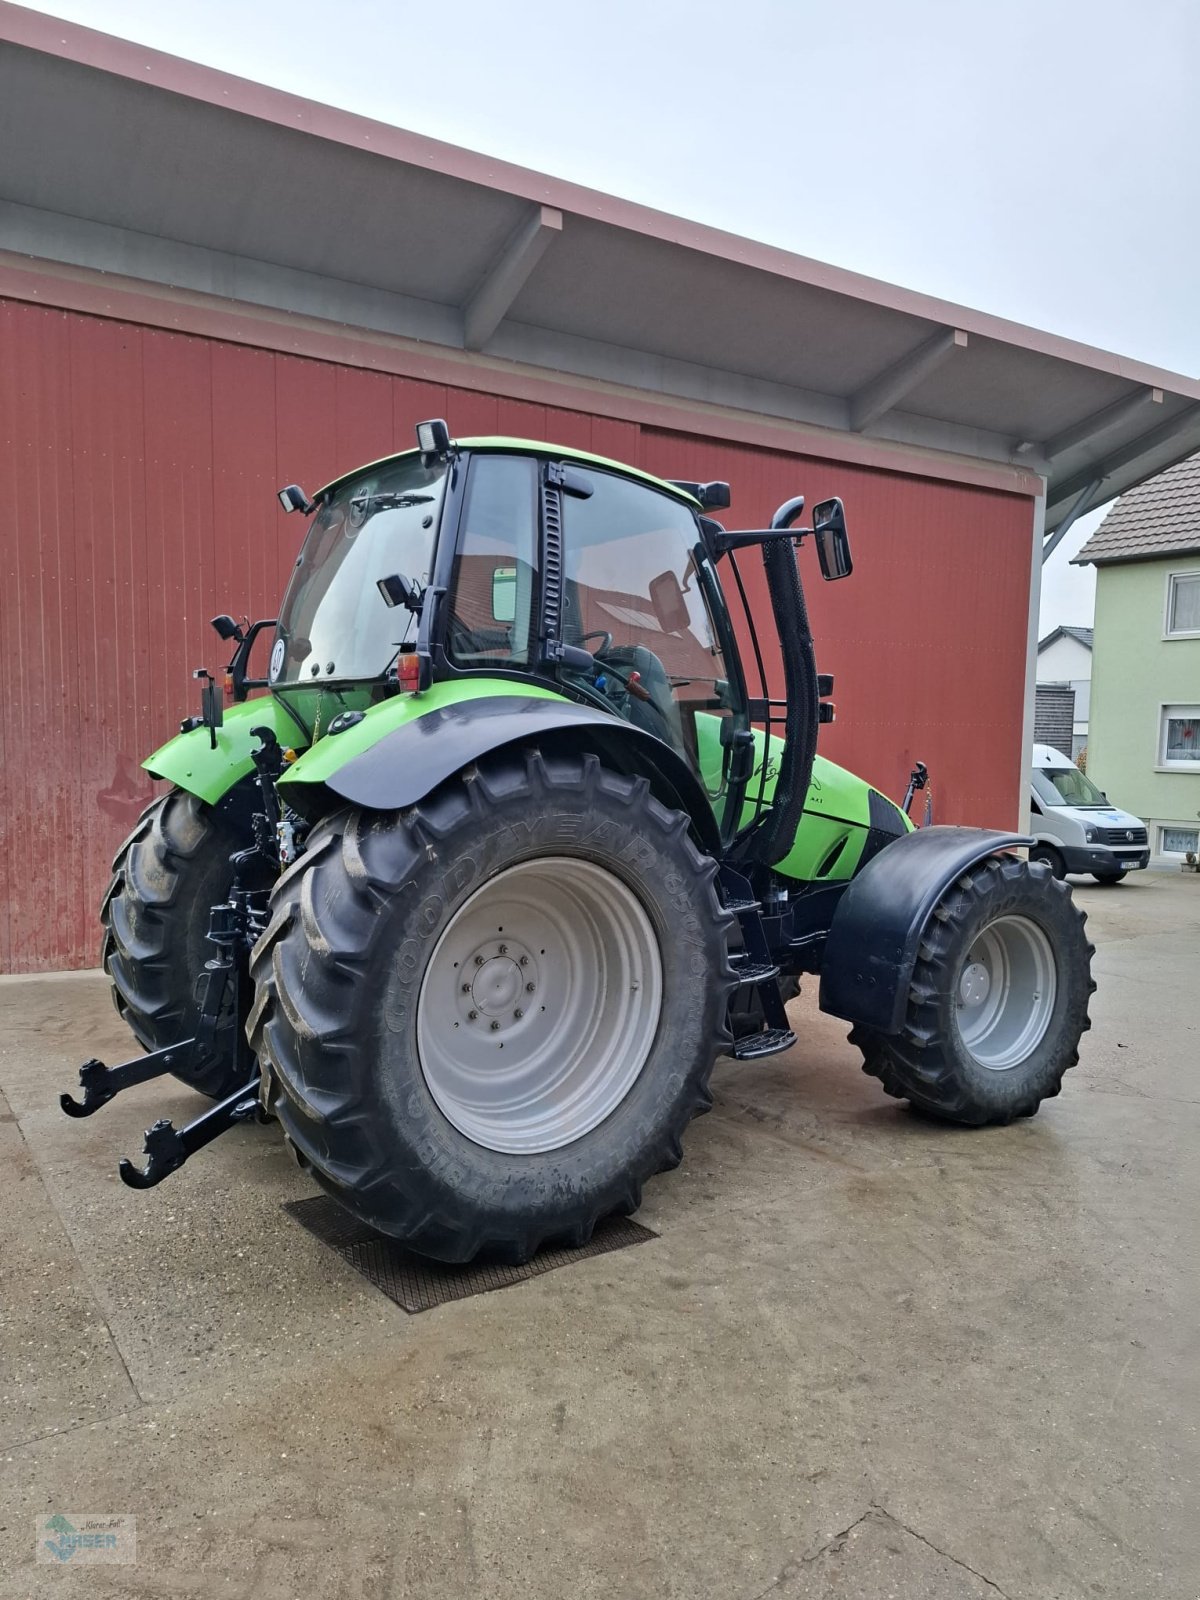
(1183, 605)
(1178, 841)
(1179, 738)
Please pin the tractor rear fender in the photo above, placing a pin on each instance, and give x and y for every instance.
(430, 745)
(190, 762)
(877, 927)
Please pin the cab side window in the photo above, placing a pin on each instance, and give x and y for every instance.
(632, 597)
(491, 596)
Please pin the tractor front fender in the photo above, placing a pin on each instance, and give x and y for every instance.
(410, 760)
(877, 927)
(190, 761)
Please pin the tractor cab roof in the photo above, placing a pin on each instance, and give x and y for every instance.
(537, 447)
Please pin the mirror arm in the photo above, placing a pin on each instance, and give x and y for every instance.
(742, 538)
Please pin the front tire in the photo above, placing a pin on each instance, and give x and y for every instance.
(1108, 877)
(998, 999)
(171, 869)
(487, 1020)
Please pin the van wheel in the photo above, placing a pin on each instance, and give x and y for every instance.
(1052, 858)
(1108, 877)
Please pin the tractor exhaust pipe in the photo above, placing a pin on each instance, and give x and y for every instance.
(801, 691)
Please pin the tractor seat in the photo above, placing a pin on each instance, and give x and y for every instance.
(660, 715)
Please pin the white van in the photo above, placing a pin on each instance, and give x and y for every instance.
(1076, 828)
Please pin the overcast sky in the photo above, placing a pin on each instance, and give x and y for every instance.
(1039, 159)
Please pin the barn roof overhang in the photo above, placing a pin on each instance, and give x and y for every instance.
(120, 159)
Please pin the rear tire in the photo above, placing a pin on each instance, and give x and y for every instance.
(170, 870)
(385, 1068)
(998, 999)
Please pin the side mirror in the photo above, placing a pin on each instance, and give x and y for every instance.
(670, 608)
(504, 594)
(833, 542)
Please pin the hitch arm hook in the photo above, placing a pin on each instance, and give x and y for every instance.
(168, 1147)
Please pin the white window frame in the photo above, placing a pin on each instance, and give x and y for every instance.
(1179, 710)
(1168, 605)
(1186, 827)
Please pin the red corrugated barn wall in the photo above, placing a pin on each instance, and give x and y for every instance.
(139, 471)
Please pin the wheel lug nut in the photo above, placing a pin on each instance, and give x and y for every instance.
(524, 961)
(472, 1015)
(503, 949)
(466, 988)
(495, 1026)
(529, 988)
(478, 961)
(518, 1013)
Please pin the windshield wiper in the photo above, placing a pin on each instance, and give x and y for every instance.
(389, 501)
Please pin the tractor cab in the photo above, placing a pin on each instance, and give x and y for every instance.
(526, 565)
(500, 560)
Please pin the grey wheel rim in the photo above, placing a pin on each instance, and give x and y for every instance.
(1006, 991)
(540, 1005)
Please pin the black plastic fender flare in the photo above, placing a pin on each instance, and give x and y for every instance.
(876, 931)
(411, 761)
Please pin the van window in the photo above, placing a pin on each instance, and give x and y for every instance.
(1065, 786)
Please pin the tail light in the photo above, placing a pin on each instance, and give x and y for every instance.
(408, 672)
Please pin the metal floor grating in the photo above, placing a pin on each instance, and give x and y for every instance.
(419, 1285)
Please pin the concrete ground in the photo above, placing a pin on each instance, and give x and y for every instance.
(868, 1356)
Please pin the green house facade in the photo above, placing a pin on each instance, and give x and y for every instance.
(1144, 734)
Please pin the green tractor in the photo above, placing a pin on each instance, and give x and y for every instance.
(472, 899)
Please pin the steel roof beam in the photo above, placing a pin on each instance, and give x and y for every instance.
(508, 274)
(1083, 502)
(1184, 421)
(1100, 422)
(879, 396)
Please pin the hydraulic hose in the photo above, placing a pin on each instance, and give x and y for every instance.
(778, 833)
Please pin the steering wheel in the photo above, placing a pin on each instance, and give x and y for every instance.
(599, 634)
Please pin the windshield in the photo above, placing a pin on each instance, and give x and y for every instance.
(334, 623)
(1066, 786)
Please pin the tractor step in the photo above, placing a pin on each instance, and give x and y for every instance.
(743, 907)
(767, 1043)
(749, 971)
